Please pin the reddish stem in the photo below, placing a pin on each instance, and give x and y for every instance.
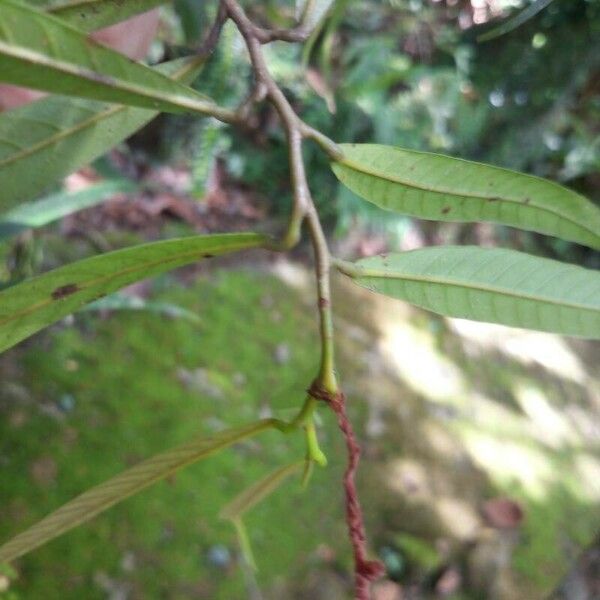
(365, 571)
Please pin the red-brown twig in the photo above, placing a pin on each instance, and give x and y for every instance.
(325, 387)
(365, 570)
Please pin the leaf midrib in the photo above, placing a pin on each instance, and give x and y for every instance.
(110, 111)
(361, 273)
(83, 286)
(64, 133)
(35, 58)
(533, 204)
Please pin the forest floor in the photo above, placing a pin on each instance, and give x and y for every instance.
(481, 469)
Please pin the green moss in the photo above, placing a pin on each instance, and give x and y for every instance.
(91, 400)
(113, 391)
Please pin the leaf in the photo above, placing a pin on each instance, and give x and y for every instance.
(89, 15)
(257, 492)
(124, 302)
(32, 305)
(441, 188)
(245, 545)
(48, 139)
(42, 52)
(312, 12)
(100, 498)
(514, 22)
(489, 284)
(59, 205)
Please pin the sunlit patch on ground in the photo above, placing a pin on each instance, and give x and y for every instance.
(452, 415)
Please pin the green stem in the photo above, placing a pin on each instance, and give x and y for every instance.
(332, 149)
(305, 419)
(326, 378)
(347, 268)
(313, 451)
(244, 542)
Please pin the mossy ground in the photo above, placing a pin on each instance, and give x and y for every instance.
(103, 395)
(80, 403)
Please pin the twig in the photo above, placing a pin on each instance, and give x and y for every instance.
(288, 117)
(365, 571)
(325, 386)
(297, 34)
(210, 43)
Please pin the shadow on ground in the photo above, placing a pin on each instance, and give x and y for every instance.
(481, 468)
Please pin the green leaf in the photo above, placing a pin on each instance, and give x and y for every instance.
(59, 205)
(514, 22)
(244, 542)
(42, 52)
(441, 188)
(312, 12)
(489, 284)
(123, 302)
(48, 139)
(32, 305)
(100, 498)
(257, 492)
(89, 15)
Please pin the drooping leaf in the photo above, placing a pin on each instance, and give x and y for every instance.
(100, 498)
(244, 542)
(311, 12)
(489, 284)
(42, 52)
(257, 492)
(124, 302)
(48, 139)
(441, 188)
(32, 305)
(89, 15)
(56, 206)
(516, 21)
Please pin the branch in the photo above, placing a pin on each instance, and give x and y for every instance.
(210, 43)
(290, 121)
(325, 387)
(297, 34)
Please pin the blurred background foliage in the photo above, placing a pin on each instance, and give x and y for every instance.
(412, 73)
(453, 419)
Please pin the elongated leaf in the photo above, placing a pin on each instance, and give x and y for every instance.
(244, 542)
(42, 52)
(32, 305)
(489, 284)
(441, 188)
(48, 139)
(251, 496)
(89, 15)
(123, 302)
(311, 12)
(57, 206)
(516, 21)
(100, 498)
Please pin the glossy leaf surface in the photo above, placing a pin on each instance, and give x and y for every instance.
(489, 284)
(441, 188)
